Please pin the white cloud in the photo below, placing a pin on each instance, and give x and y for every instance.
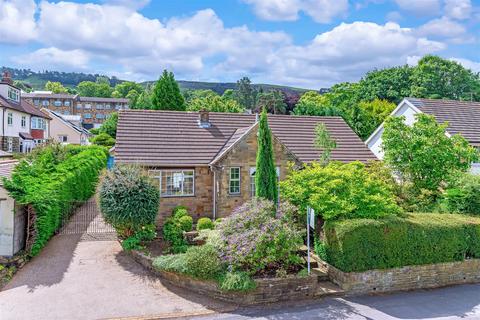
(394, 16)
(55, 58)
(458, 9)
(134, 4)
(322, 11)
(469, 64)
(442, 27)
(420, 7)
(17, 23)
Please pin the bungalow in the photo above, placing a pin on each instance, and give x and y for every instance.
(463, 118)
(206, 161)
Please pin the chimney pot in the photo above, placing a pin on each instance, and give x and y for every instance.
(204, 118)
(7, 78)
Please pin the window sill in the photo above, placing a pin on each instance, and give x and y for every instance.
(178, 196)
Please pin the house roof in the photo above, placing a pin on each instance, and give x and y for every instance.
(49, 95)
(22, 106)
(65, 120)
(463, 117)
(98, 99)
(172, 138)
(6, 169)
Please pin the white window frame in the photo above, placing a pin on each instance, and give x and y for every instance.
(66, 103)
(24, 121)
(45, 103)
(57, 103)
(230, 180)
(10, 119)
(252, 179)
(159, 174)
(63, 138)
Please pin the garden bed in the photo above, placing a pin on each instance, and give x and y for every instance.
(267, 290)
(404, 278)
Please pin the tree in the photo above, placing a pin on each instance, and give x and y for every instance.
(166, 94)
(103, 139)
(324, 142)
(109, 126)
(272, 101)
(144, 100)
(439, 78)
(246, 95)
(266, 173)
(121, 90)
(371, 115)
(423, 154)
(55, 87)
(87, 89)
(312, 103)
(214, 103)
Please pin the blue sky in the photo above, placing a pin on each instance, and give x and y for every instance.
(304, 43)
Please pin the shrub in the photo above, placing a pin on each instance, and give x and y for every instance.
(53, 180)
(128, 199)
(103, 139)
(339, 191)
(425, 238)
(255, 239)
(463, 196)
(199, 261)
(205, 223)
(236, 281)
(175, 226)
(138, 240)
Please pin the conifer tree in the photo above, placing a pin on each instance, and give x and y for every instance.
(266, 173)
(166, 94)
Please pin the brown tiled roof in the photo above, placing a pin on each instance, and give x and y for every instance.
(170, 138)
(462, 116)
(23, 106)
(43, 95)
(98, 99)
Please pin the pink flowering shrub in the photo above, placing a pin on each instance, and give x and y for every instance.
(255, 238)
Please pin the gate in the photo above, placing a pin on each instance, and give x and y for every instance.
(87, 221)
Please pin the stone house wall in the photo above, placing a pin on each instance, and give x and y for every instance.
(15, 143)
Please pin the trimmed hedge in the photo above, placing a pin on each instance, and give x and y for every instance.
(415, 239)
(53, 180)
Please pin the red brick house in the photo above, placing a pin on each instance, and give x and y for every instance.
(206, 161)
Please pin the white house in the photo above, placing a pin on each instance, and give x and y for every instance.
(463, 118)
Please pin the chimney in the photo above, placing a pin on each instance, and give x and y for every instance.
(204, 119)
(7, 78)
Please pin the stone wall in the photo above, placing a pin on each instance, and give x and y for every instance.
(244, 156)
(267, 290)
(405, 278)
(15, 143)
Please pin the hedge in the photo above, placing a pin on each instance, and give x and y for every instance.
(415, 239)
(53, 181)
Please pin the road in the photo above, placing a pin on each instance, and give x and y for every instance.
(458, 302)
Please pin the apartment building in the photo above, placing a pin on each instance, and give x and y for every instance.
(22, 126)
(92, 110)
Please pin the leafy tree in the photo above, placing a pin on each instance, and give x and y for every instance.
(144, 100)
(246, 93)
(132, 97)
(123, 89)
(324, 142)
(229, 94)
(109, 126)
(213, 102)
(103, 139)
(423, 154)
(103, 90)
(272, 101)
(55, 87)
(372, 114)
(166, 94)
(439, 78)
(87, 89)
(266, 173)
(312, 103)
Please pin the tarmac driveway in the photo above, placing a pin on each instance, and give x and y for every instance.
(80, 276)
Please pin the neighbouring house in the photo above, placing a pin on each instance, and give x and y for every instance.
(463, 118)
(13, 221)
(92, 110)
(22, 126)
(206, 161)
(67, 129)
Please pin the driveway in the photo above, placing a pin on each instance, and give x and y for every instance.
(83, 274)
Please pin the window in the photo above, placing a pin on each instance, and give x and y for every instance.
(107, 106)
(36, 102)
(38, 123)
(100, 106)
(66, 112)
(88, 106)
(10, 119)
(66, 103)
(13, 94)
(57, 103)
(252, 180)
(45, 103)
(175, 183)
(118, 106)
(126, 106)
(100, 116)
(234, 182)
(87, 116)
(24, 121)
(63, 139)
(79, 106)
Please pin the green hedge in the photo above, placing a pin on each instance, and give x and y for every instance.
(53, 180)
(415, 239)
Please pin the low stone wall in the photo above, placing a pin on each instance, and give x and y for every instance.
(267, 290)
(405, 278)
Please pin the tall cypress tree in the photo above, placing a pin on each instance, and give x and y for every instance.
(166, 94)
(266, 174)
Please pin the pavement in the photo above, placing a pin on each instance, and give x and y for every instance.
(78, 276)
(457, 302)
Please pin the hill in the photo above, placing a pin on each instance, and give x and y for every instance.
(37, 81)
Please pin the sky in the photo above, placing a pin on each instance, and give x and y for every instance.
(302, 43)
